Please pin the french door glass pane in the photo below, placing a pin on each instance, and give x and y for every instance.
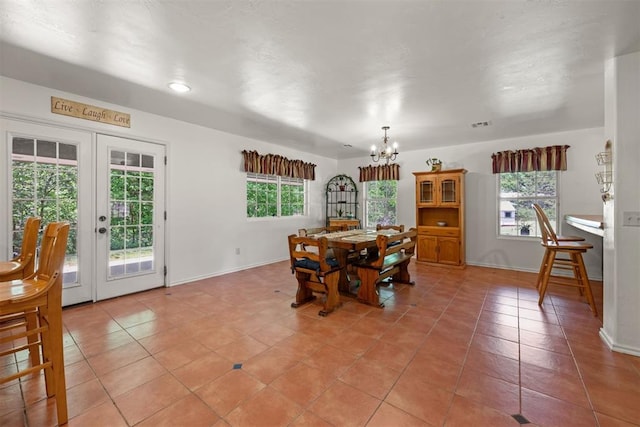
(131, 223)
(45, 184)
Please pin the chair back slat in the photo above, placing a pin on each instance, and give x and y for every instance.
(548, 234)
(52, 249)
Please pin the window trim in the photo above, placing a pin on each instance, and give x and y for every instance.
(365, 199)
(532, 237)
(279, 181)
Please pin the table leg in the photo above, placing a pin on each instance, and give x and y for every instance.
(341, 256)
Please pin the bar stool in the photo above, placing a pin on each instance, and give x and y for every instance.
(23, 265)
(542, 217)
(551, 260)
(41, 294)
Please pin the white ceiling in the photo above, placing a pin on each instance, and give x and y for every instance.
(316, 75)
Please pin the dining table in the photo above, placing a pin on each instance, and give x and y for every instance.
(344, 243)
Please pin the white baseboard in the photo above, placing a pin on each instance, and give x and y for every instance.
(616, 347)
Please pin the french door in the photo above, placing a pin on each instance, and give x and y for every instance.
(48, 174)
(129, 216)
(109, 189)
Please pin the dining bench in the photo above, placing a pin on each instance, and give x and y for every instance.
(389, 263)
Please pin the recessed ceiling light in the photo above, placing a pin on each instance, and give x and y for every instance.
(179, 87)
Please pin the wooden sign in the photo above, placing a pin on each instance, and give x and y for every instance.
(89, 112)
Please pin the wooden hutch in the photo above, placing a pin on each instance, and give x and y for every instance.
(440, 217)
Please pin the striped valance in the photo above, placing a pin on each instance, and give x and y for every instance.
(380, 173)
(553, 158)
(274, 164)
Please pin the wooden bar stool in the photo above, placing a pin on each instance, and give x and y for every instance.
(571, 260)
(41, 294)
(23, 265)
(542, 217)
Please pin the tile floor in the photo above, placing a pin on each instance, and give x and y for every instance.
(462, 348)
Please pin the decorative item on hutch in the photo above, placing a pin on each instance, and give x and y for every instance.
(435, 163)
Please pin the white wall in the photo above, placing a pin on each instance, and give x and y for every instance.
(579, 193)
(205, 186)
(206, 189)
(621, 329)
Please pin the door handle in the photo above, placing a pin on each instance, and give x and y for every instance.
(102, 230)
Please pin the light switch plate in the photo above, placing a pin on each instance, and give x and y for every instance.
(631, 219)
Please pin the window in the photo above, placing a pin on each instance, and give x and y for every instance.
(275, 196)
(380, 203)
(44, 176)
(517, 192)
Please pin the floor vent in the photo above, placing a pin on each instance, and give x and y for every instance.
(521, 419)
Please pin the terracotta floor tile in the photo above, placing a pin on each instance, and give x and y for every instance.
(116, 358)
(451, 350)
(85, 396)
(493, 365)
(13, 419)
(181, 354)
(131, 376)
(267, 407)
(78, 373)
(149, 398)
(342, 405)
(489, 391)
(331, 360)
(228, 391)
(607, 421)
(104, 414)
(420, 399)
(465, 412)
(615, 400)
(500, 331)
(270, 364)
(272, 334)
(97, 344)
(495, 345)
(544, 341)
(548, 411)
(203, 370)
(371, 376)
(434, 370)
(163, 340)
(303, 383)
(388, 415)
(307, 419)
(188, 411)
(241, 349)
(555, 384)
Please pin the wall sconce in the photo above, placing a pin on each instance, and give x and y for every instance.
(605, 177)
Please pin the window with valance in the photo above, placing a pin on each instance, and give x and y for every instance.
(380, 190)
(380, 172)
(525, 177)
(553, 158)
(274, 164)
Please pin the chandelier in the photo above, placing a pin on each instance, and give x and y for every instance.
(385, 151)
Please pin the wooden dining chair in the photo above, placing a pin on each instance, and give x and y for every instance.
(562, 255)
(23, 265)
(41, 294)
(398, 228)
(314, 272)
